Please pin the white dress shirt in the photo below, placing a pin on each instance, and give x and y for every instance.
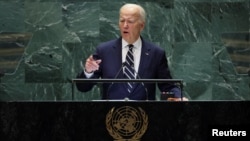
(136, 52)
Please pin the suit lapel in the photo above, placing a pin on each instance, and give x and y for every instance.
(117, 53)
(145, 55)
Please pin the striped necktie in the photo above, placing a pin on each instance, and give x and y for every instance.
(129, 70)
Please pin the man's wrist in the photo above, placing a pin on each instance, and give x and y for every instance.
(88, 75)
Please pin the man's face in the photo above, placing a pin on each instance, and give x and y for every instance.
(130, 24)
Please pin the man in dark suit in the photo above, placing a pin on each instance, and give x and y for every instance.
(148, 61)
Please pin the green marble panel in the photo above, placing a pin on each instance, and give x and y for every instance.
(229, 17)
(192, 22)
(83, 22)
(66, 32)
(12, 16)
(191, 62)
(227, 84)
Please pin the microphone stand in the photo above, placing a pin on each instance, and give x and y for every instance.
(107, 95)
(123, 64)
(145, 88)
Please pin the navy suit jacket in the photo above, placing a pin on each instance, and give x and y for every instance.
(153, 65)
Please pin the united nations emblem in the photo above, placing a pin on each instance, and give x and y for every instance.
(126, 123)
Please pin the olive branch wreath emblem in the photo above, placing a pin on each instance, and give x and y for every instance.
(138, 132)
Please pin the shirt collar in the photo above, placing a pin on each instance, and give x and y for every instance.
(137, 43)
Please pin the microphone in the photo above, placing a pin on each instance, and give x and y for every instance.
(145, 88)
(123, 64)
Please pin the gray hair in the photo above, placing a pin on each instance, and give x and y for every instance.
(141, 10)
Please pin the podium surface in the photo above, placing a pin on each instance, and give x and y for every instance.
(177, 82)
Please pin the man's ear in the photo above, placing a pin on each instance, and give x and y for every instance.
(142, 26)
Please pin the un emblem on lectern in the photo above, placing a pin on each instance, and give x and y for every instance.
(126, 123)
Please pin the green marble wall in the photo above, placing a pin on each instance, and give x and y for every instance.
(43, 41)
